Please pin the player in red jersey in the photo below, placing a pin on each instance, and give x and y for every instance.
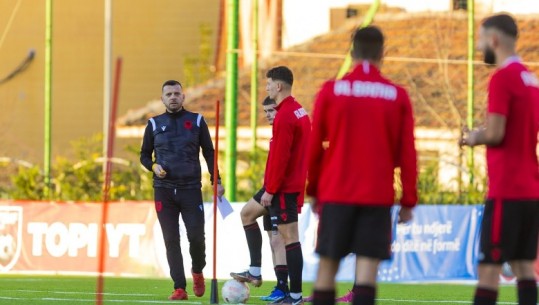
(286, 172)
(249, 214)
(510, 226)
(368, 125)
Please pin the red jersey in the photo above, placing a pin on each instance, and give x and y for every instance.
(369, 125)
(286, 168)
(513, 169)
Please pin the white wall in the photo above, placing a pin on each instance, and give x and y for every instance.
(305, 19)
(444, 143)
(514, 6)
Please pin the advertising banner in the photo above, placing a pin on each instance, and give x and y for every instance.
(62, 238)
(439, 243)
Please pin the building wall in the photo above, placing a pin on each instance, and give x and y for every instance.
(152, 37)
(440, 147)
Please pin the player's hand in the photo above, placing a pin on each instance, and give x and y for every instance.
(266, 199)
(467, 137)
(220, 191)
(405, 214)
(159, 171)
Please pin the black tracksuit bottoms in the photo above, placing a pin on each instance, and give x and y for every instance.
(169, 204)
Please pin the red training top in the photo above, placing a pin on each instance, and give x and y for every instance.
(513, 169)
(286, 168)
(369, 124)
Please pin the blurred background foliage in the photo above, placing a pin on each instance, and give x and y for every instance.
(80, 178)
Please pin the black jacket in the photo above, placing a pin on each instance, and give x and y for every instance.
(176, 139)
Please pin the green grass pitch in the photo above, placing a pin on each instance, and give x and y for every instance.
(64, 290)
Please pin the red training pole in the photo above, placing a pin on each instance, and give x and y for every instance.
(214, 298)
(106, 188)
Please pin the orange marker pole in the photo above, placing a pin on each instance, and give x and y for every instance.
(106, 188)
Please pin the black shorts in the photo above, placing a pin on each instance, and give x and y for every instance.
(362, 230)
(283, 209)
(509, 231)
(266, 220)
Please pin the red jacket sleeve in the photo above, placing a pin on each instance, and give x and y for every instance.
(408, 156)
(283, 135)
(316, 149)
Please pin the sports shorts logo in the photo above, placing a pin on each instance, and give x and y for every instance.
(10, 236)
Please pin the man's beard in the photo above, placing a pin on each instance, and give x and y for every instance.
(489, 57)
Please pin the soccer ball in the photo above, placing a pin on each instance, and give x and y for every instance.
(507, 276)
(235, 292)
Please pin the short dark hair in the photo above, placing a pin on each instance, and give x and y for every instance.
(281, 73)
(502, 22)
(368, 43)
(268, 101)
(171, 82)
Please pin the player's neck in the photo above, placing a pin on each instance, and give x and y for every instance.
(282, 96)
(376, 63)
(175, 111)
(503, 55)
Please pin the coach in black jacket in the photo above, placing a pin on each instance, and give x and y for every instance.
(176, 137)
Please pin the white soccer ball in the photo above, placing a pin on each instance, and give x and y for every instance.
(235, 292)
(507, 276)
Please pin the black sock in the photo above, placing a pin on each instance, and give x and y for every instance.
(364, 295)
(294, 260)
(281, 272)
(321, 297)
(527, 292)
(254, 241)
(485, 296)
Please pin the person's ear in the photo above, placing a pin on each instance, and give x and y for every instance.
(493, 40)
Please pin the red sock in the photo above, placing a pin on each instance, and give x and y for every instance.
(484, 296)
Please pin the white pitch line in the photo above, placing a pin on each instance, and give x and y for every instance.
(93, 301)
(84, 293)
(433, 301)
(22, 280)
(125, 301)
(422, 301)
(188, 302)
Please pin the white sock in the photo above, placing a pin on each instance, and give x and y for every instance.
(255, 270)
(295, 295)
